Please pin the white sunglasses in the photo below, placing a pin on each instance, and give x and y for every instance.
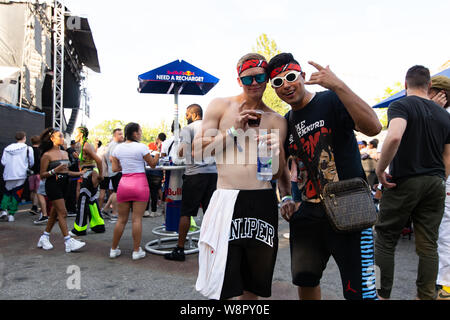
(289, 77)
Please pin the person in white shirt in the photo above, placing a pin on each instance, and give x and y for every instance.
(17, 159)
(114, 177)
(167, 145)
(133, 192)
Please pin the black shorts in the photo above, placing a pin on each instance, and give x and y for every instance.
(312, 242)
(115, 181)
(197, 190)
(104, 184)
(253, 244)
(56, 187)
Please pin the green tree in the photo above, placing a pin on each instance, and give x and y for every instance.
(103, 131)
(149, 134)
(268, 48)
(382, 112)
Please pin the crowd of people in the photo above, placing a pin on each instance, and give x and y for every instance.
(312, 145)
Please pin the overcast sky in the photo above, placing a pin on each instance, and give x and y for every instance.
(368, 44)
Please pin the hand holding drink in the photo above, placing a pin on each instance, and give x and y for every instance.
(255, 122)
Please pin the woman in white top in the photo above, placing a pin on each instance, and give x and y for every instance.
(130, 158)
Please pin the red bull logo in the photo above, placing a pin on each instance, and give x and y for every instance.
(171, 192)
(181, 73)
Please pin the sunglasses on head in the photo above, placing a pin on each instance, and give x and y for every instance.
(289, 77)
(259, 78)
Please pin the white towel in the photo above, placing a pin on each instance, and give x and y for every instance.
(213, 243)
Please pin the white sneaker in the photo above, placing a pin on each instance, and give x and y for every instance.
(147, 214)
(74, 245)
(44, 243)
(72, 234)
(3, 215)
(114, 253)
(11, 218)
(139, 254)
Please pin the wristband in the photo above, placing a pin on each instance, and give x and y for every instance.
(234, 134)
(233, 131)
(286, 198)
(52, 172)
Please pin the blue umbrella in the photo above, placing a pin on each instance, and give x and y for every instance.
(177, 77)
(385, 103)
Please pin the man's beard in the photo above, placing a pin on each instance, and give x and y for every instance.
(189, 121)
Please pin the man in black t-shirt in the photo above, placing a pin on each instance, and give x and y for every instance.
(323, 123)
(417, 147)
(34, 179)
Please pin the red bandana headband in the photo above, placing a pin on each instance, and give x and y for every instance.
(289, 66)
(254, 63)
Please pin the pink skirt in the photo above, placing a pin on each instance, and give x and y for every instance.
(133, 187)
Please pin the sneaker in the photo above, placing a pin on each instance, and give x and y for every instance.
(443, 295)
(106, 215)
(114, 253)
(73, 245)
(11, 218)
(34, 211)
(155, 214)
(75, 233)
(139, 254)
(147, 214)
(42, 219)
(44, 243)
(176, 255)
(71, 214)
(114, 218)
(3, 215)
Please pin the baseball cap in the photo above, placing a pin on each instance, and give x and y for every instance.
(440, 82)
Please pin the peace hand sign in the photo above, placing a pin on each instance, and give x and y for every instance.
(324, 77)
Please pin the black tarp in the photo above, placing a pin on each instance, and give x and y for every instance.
(83, 42)
(13, 119)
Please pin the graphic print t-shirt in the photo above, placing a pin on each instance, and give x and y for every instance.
(325, 129)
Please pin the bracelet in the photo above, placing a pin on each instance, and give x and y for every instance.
(234, 134)
(233, 131)
(286, 198)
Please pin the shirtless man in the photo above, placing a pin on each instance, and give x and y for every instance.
(243, 211)
(87, 201)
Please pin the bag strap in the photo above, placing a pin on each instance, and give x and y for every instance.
(170, 148)
(301, 153)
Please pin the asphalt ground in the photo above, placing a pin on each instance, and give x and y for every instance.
(30, 273)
